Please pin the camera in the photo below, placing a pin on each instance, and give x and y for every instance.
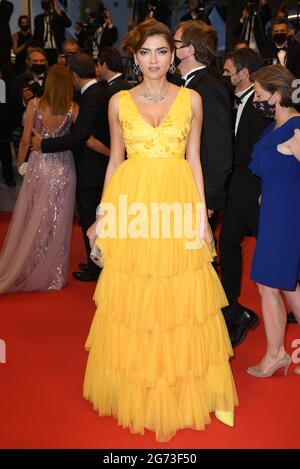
(36, 89)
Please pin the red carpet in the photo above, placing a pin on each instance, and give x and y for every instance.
(41, 404)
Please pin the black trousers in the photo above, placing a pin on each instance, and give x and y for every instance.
(6, 161)
(236, 225)
(88, 198)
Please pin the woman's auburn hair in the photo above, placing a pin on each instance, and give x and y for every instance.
(58, 93)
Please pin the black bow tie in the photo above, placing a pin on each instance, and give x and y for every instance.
(239, 99)
(281, 48)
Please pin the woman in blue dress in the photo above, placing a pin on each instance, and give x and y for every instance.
(276, 262)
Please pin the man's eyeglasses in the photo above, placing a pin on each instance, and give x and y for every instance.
(180, 42)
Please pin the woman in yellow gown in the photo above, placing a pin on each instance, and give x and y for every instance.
(158, 345)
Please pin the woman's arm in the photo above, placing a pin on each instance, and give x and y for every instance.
(193, 157)
(15, 47)
(26, 136)
(117, 153)
(294, 144)
(97, 146)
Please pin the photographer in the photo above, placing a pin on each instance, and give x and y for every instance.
(70, 47)
(30, 84)
(197, 12)
(49, 29)
(282, 49)
(106, 34)
(157, 9)
(251, 27)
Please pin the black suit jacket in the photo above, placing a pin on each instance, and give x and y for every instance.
(117, 84)
(216, 139)
(58, 25)
(245, 187)
(91, 120)
(6, 10)
(108, 37)
(292, 56)
(259, 23)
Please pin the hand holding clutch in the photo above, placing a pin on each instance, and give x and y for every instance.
(96, 255)
(22, 169)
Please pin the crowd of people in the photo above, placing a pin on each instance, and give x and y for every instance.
(225, 143)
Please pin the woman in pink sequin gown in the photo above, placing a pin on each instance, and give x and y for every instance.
(35, 254)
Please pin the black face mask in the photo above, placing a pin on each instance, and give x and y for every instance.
(280, 38)
(265, 108)
(226, 80)
(24, 27)
(177, 61)
(38, 69)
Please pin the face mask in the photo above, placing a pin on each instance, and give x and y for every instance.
(265, 108)
(226, 80)
(38, 69)
(279, 38)
(24, 27)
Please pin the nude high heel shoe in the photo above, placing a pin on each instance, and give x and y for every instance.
(284, 363)
(297, 370)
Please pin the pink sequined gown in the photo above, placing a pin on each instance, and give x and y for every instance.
(35, 254)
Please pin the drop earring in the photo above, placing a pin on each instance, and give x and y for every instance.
(136, 69)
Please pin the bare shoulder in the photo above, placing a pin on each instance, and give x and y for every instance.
(30, 105)
(196, 99)
(114, 100)
(196, 103)
(75, 106)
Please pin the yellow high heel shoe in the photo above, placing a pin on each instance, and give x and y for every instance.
(297, 370)
(284, 363)
(225, 416)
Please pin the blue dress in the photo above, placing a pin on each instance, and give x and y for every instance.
(276, 261)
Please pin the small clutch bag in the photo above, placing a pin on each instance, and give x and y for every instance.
(96, 255)
(22, 168)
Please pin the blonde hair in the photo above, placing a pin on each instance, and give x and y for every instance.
(135, 38)
(58, 93)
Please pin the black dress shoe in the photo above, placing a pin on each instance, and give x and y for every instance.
(10, 183)
(247, 321)
(291, 318)
(85, 276)
(83, 266)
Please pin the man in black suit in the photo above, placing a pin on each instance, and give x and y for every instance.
(251, 26)
(196, 12)
(49, 29)
(242, 210)
(195, 44)
(112, 70)
(90, 165)
(105, 35)
(31, 83)
(6, 10)
(283, 50)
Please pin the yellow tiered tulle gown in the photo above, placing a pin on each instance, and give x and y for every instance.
(158, 345)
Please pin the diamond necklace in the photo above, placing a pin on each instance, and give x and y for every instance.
(153, 98)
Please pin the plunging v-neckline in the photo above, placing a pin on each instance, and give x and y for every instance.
(166, 116)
